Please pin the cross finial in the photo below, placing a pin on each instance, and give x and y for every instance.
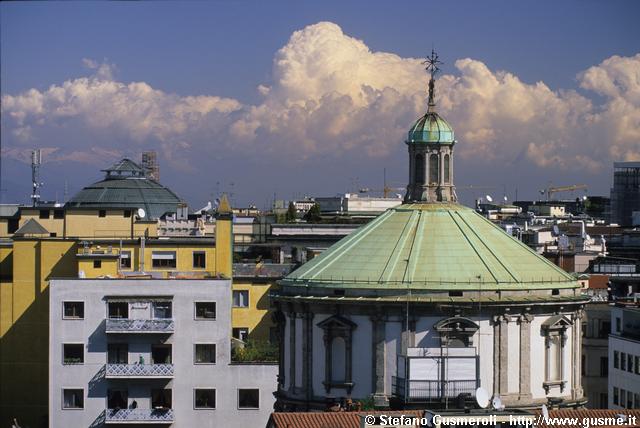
(431, 65)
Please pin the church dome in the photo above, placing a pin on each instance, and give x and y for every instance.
(126, 186)
(429, 247)
(431, 128)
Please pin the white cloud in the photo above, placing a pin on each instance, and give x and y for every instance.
(331, 95)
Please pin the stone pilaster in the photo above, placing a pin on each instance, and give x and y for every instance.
(307, 354)
(525, 356)
(292, 352)
(576, 353)
(500, 354)
(378, 323)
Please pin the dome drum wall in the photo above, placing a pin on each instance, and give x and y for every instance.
(510, 345)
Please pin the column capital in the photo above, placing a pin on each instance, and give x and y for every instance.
(525, 318)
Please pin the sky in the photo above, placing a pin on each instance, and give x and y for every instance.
(284, 99)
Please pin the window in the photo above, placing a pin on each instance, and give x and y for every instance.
(419, 167)
(605, 329)
(249, 398)
(584, 365)
(618, 325)
(240, 333)
(59, 214)
(623, 361)
(118, 353)
(629, 400)
(118, 310)
(433, 169)
(615, 395)
(72, 353)
(160, 354)
(125, 260)
(637, 365)
(199, 259)
(630, 363)
(204, 398)
(604, 400)
(12, 225)
(205, 353)
(102, 213)
(636, 401)
(555, 292)
(623, 397)
(604, 367)
(72, 399)
(73, 310)
(241, 298)
(160, 398)
(97, 264)
(447, 174)
(163, 259)
(616, 359)
(162, 310)
(126, 213)
(44, 213)
(205, 310)
(117, 398)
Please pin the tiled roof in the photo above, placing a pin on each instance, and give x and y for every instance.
(581, 414)
(329, 419)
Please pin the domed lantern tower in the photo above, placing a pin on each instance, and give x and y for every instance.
(430, 142)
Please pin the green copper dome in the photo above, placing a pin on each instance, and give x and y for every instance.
(431, 128)
(430, 247)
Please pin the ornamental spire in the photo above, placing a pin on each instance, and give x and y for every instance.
(431, 65)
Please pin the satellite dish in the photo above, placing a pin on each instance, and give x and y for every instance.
(545, 412)
(497, 403)
(489, 198)
(505, 198)
(141, 213)
(482, 397)
(584, 198)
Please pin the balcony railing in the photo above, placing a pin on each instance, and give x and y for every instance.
(122, 371)
(431, 390)
(127, 416)
(125, 325)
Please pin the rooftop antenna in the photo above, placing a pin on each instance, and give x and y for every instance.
(36, 161)
(489, 198)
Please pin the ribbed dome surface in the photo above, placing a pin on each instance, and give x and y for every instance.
(431, 128)
(431, 246)
(125, 186)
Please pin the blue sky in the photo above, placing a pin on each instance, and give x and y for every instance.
(243, 53)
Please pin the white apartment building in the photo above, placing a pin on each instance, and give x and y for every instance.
(624, 357)
(150, 352)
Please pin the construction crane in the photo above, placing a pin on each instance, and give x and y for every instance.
(549, 191)
(385, 188)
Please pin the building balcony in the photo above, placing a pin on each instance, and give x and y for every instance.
(138, 416)
(139, 371)
(125, 325)
(431, 390)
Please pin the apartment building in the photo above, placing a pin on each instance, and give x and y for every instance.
(150, 352)
(624, 356)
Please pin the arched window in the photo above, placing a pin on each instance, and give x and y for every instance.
(433, 169)
(447, 174)
(419, 179)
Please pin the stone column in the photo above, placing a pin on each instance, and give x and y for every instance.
(292, 352)
(378, 323)
(525, 356)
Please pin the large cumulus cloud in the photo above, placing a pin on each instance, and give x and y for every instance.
(331, 95)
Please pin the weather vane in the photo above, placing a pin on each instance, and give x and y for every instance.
(431, 65)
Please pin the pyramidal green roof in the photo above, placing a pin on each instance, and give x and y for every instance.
(431, 246)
